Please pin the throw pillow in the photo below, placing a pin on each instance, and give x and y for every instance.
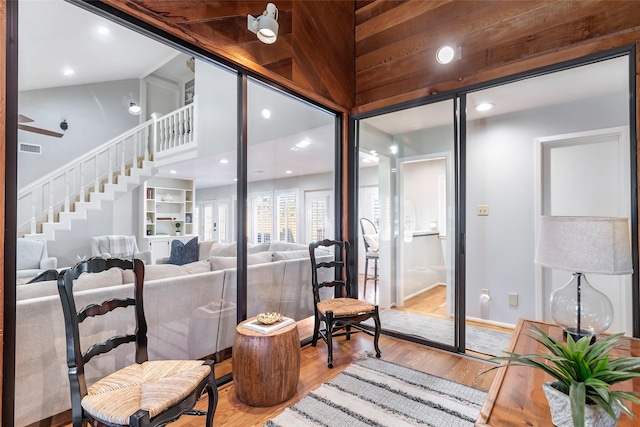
(182, 253)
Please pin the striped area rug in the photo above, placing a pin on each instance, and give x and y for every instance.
(373, 392)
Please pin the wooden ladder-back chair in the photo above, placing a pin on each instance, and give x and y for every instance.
(342, 313)
(145, 393)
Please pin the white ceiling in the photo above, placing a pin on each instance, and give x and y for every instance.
(55, 35)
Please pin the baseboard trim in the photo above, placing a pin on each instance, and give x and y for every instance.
(491, 322)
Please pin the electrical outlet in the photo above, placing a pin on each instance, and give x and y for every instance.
(483, 210)
(513, 300)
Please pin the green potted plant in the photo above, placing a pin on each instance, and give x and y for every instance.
(581, 395)
(178, 225)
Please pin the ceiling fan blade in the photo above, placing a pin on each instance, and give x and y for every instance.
(24, 119)
(40, 131)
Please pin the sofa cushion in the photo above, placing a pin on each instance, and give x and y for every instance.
(183, 253)
(204, 248)
(155, 272)
(197, 267)
(285, 255)
(222, 263)
(260, 247)
(223, 249)
(29, 254)
(286, 246)
(111, 277)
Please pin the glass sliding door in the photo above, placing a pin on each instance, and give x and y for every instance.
(555, 144)
(163, 175)
(406, 214)
(290, 198)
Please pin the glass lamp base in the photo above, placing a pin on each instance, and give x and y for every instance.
(576, 335)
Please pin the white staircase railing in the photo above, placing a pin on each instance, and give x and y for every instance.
(39, 201)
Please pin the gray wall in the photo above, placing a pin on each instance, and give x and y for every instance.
(95, 114)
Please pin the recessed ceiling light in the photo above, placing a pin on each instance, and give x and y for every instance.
(224, 161)
(266, 113)
(304, 143)
(68, 71)
(373, 152)
(287, 172)
(485, 106)
(235, 179)
(394, 149)
(446, 54)
(102, 30)
(173, 171)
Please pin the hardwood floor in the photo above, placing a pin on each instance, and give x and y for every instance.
(464, 369)
(314, 371)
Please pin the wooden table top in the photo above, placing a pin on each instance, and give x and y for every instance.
(516, 397)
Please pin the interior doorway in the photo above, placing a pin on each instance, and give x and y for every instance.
(585, 174)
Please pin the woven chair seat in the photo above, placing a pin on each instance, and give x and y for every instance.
(152, 386)
(344, 306)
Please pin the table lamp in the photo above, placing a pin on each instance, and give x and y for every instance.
(598, 245)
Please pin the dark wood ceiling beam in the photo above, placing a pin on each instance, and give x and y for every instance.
(197, 11)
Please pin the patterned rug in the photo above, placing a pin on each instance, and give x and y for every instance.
(481, 340)
(373, 392)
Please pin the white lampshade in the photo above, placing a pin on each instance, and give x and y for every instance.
(598, 245)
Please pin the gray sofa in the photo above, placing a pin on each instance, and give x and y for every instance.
(190, 310)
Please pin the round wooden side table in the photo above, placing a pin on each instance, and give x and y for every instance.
(266, 367)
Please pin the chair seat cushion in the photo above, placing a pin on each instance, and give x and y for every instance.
(152, 386)
(344, 306)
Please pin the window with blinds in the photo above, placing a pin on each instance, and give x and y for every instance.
(196, 221)
(209, 221)
(261, 215)
(223, 223)
(319, 215)
(287, 215)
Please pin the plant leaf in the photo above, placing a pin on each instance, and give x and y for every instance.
(577, 396)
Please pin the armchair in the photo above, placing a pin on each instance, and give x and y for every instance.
(32, 258)
(118, 246)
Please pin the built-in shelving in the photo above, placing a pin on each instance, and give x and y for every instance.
(168, 202)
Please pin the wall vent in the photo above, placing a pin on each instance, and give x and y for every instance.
(30, 148)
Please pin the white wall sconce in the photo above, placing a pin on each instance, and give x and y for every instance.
(134, 109)
(447, 54)
(266, 25)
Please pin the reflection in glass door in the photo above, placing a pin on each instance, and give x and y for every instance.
(406, 190)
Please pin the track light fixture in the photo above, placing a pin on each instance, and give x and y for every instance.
(266, 25)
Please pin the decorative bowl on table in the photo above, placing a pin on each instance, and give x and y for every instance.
(268, 318)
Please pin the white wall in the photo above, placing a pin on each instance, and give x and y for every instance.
(217, 95)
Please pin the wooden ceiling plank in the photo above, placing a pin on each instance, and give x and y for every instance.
(371, 9)
(443, 25)
(511, 40)
(396, 17)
